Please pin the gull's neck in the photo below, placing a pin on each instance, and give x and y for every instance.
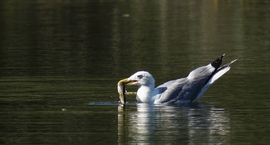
(146, 93)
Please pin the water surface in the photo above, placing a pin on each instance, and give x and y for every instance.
(60, 62)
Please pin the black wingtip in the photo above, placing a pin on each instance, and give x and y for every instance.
(216, 63)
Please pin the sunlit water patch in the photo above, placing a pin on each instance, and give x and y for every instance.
(113, 103)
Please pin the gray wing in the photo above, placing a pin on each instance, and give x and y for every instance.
(171, 90)
(185, 89)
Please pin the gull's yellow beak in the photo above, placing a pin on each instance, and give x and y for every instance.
(124, 81)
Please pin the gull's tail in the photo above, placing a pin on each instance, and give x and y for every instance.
(220, 71)
(216, 63)
(227, 65)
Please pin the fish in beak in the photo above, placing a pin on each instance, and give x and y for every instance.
(121, 88)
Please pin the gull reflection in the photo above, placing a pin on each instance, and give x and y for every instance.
(190, 124)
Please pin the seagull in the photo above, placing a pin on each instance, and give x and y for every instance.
(184, 90)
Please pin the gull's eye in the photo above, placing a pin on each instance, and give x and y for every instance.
(139, 76)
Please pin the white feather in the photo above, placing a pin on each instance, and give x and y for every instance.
(211, 81)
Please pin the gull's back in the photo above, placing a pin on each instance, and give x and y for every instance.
(185, 89)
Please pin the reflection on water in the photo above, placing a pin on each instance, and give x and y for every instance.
(191, 124)
(63, 54)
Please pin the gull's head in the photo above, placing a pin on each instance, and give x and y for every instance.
(142, 78)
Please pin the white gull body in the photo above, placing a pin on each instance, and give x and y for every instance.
(183, 90)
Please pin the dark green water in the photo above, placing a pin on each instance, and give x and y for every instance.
(60, 62)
